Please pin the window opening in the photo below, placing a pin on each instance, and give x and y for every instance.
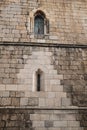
(39, 22)
(39, 25)
(38, 82)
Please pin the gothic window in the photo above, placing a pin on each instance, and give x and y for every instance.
(41, 24)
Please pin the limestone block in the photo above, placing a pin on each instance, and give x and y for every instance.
(50, 95)
(12, 94)
(38, 124)
(1, 94)
(58, 88)
(23, 101)
(41, 40)
(55, 82)
(60, 123)
(60, 94)
(5, 93)
(22, 87)
(33, 101)
(66, 102)
(11, 87)
(35, 117)
(42, 101)
(59, 76)
(57, 102)
(70, 117)
(15, 102)
(49, 102)
(48, 88)
(53, 37)
(52, 72)
(14, 117)
(48, 53)
(5, 102)
(48, 123)
(44, 117)
(73, 123)
(2, 87)
(42, 94)
(20, 94)
(29, 94)
(55, 117)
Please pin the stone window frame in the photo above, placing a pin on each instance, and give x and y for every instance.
(31, 24)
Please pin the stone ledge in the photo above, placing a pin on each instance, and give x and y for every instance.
(58, 45)
(44, 108)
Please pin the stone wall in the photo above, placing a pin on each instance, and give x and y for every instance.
(64, 70)
(61, 56)
(60, 105)
(67, 20)
(20, 119)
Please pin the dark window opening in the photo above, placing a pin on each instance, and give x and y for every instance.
(39, 25)
(38, 82)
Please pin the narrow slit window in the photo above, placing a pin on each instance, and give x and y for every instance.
(38, 82)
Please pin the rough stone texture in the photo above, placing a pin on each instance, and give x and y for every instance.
(20, 119)
(62, 102)
(65, 85)
(15, 119)
(66, 75)
(67, 20)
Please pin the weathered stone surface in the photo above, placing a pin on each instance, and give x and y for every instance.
(15, 102)
(64, 68)
(27, 119)
(67, 86)
(65, 25)
(48, 123)
(15, 119)
(33, 102)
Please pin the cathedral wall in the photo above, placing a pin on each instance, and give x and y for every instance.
(64, 71)
(28, 119)
(27, 60)
(67, 21)
(60, 105)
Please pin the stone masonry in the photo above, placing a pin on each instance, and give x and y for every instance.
(61, 55)
(67, 20)
(56, 107)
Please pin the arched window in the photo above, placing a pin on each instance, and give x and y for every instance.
(39, 25)
(39, 22)
(39, 80)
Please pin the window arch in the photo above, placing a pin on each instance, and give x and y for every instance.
(41, 24)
